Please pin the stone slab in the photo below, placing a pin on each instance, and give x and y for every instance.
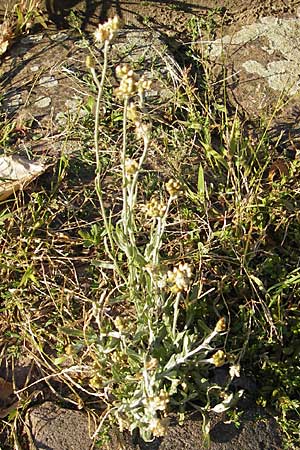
(262, 62)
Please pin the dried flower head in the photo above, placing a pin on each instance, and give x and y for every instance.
(123, 422)
(179, 278)
(142, 130)
(89, 62)
(119, 323)
(122, 70)
(130, 82)
(218, 359)
(221, 325)
(132, 112)
(115, 23)
(102, 34)
(155, 208)
(131, 166)
(235, 371)
(152, 364)
(158, 274)
(158, 402)
(144, 84)
(173, 188)
(158, 427)
(106, 31)
(69, 350)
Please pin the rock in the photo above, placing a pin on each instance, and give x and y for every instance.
(45, 79)
(146, 53)
(262, 72)
(256, 431)
(56, 428)
(262, 63)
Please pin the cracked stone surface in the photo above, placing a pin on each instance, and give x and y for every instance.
(262, 62)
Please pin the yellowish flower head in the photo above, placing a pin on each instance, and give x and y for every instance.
(106, 31)
(152, 364)
(132, 112)
(179, 278)
(130, 82)
(218, 359)
(131, 166)
(173, 188)
(235, 371)
(142, 130)
(158, 427)
(221, 325)
(119, 323)
(155, 208)
(158, 402)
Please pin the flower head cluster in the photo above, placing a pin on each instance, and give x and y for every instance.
(235, 371)
(130, 82)
(142, 130)
(159, 402)
(179, 278)
(155, 208)
(119, 323)
(221, 325)
(152, 364)
(158, 274)
(132, 112)
(158, 427)
(173, 188)
(106, 31)
(218, 358)
(131, 166)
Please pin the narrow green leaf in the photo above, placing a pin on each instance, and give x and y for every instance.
(201, 182)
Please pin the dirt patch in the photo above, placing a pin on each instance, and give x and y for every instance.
(170, 17)
(56, 428)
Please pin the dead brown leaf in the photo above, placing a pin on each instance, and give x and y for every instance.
(15, 174)
(8, 401)
(279, 167)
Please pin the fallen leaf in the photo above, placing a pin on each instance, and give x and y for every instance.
(17, 172)
(6, 389)
(280, 167)
(8, 401)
